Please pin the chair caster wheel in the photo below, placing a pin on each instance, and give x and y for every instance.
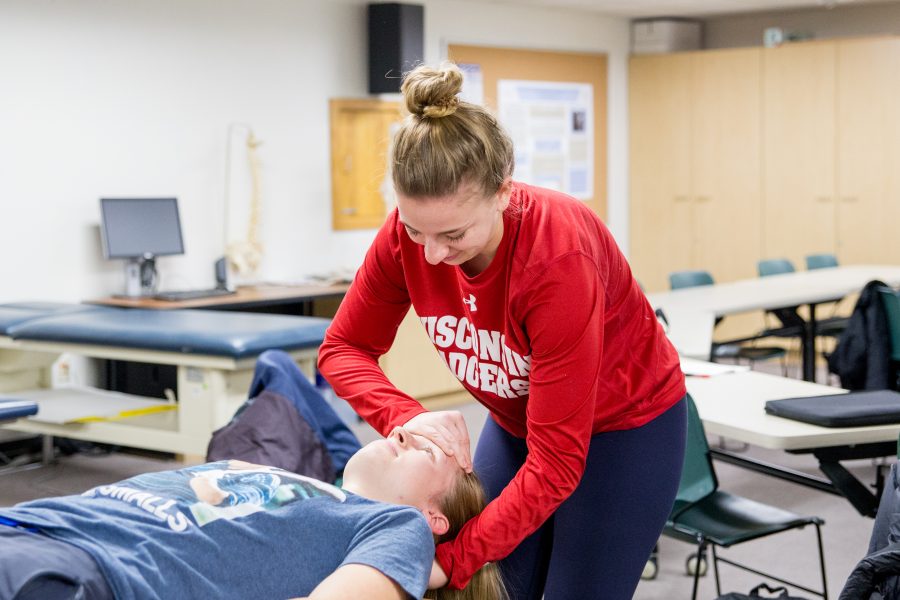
(651, 569)
(696, 564)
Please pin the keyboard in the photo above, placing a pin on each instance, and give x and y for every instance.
(175, 296)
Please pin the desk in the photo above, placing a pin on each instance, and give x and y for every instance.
(702, 304)
(281, 299)
(733, 405)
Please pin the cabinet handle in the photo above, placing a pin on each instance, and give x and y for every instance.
(849, 199)
(682, 198)
(823, 199)
(703, 198)
(348, 211)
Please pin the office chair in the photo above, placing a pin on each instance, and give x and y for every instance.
(790, 323)
(734, 351)
(831, 326)
(705, 515)
(820, 261)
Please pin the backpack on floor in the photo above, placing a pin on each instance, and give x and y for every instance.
(782, 594)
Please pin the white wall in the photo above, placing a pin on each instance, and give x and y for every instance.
(841, 21)
(108, 98)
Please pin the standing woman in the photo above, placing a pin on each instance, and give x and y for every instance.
(533, 307)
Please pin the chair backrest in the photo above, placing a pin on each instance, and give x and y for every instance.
(891, 302)
(690, 278)
(821, 261)
(774, 266)
(698, 479)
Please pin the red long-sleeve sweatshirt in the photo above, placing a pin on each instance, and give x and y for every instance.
(555, 338)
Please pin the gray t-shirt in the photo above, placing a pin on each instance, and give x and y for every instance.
(258, 532)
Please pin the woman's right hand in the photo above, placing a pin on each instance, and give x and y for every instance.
(447, 430)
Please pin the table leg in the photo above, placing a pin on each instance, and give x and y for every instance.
(840, 481)
(808, 349)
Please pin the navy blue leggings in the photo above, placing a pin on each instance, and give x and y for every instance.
(596, 543)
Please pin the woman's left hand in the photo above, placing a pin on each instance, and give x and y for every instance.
(447, 429)
(438, 578)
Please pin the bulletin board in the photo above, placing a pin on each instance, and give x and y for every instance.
(508, 64)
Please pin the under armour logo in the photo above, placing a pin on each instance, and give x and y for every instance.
(470, 301)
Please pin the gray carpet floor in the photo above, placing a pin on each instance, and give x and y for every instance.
(791, 554)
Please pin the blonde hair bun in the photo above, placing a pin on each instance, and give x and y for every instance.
(432, 93)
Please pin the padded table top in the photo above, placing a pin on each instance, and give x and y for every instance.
(18, 312)
(220, 333)
(11, 409)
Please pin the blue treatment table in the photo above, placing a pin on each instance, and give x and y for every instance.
(11, 409)
(214, 353)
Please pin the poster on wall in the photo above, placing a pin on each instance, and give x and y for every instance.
(552, 128)
(473, 83)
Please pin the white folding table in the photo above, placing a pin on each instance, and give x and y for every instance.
(732, 405)
(691, 312)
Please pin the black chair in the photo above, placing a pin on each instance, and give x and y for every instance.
(727, 350)
(708, 517)
(791, 324)
(831, 326)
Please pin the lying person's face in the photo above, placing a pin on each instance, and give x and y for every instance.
(405, 469)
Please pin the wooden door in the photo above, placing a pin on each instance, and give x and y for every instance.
(868, 150)
(799, 150)
(726, 121)
(659, 148)
(360, 139)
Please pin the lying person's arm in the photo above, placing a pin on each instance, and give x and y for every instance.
(357, 581)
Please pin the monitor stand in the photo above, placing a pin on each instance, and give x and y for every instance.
(140, 276)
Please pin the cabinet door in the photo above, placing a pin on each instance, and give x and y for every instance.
(799, 150)
(868, 75)
(360, 139)
(659, 105)
(726, 162)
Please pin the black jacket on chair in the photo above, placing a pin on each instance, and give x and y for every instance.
(862, 358)
(878, 574)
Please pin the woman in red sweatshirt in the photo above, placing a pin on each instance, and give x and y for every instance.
(533, 307)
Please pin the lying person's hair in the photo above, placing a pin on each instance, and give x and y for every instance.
(465, 500)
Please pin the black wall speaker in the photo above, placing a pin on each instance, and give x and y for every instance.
(396, 44)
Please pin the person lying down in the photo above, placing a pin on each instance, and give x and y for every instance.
(231, 529)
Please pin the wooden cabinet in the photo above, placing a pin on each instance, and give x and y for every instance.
(799, 149)
(725, 162)
(832, 143)
(739, 155)
(867, 197)
(661, 221)
(695, 164)
(360, 139)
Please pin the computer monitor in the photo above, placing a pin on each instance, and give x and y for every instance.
(140, 229)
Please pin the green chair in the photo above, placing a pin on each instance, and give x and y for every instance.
(831, 326)
(733, 351)
(790, 323)
(774, 266)
(820, 261)
(705, 515)
(891, 302)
